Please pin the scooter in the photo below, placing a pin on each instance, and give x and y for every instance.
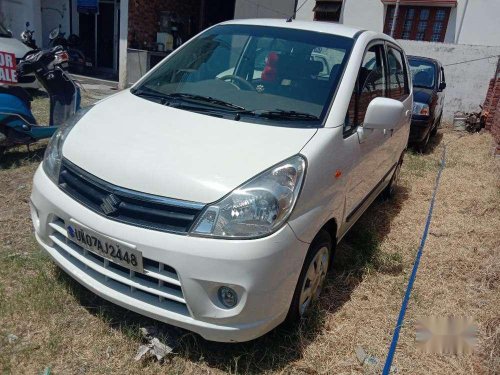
(78, 63)
(27, 37)
(18, 126)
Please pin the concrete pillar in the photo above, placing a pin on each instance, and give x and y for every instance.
(123, 45)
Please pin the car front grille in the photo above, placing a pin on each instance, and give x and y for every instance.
(159, 285)
(127, 206)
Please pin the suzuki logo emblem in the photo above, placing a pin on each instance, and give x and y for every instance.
(110, 204)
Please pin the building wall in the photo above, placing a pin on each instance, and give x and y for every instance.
(481, 22)
(264, 8)
(54, 13)
(492, 109)
(474, 22)
(144, 17)
(363, 14)
(467, 83)
(15, 13)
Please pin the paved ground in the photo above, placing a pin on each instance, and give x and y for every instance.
(94, 88)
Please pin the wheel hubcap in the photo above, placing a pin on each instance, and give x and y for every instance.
(313, 282)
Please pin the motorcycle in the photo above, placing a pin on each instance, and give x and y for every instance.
(78, 63)
(18, 126)
(27, 37)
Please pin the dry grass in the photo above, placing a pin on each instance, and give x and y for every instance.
(63, 326)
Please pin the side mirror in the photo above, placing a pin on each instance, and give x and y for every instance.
(383, 113)
(9, 33)
(442, 86)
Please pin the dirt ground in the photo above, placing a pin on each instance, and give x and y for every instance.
(62, 326)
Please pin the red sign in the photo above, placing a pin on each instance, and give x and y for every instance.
(8, 72)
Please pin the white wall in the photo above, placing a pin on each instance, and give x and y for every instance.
(15, 13)
(481, 23)
(471, 22)
(264, 8)
(54, 12)
(306, 12)
(363, 14)
(466, 83)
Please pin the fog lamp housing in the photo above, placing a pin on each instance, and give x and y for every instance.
(227, 296)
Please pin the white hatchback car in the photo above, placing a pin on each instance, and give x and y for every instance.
(213, 200)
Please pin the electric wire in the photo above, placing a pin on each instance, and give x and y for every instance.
(468, 61)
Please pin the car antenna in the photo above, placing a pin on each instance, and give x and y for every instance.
(290, 19)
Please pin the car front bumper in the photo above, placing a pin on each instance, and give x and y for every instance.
(419, 128)
(263, 272)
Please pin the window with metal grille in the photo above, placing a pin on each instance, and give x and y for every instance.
(327, 10)
(418, 22)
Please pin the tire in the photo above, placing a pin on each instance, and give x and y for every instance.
(422, 145)
(318, 257)
(2, 151)
(390, 191)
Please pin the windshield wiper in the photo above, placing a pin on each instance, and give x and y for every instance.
(205, 99)
(280, 114)
(150, 94)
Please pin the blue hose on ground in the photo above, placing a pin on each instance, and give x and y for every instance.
(402, 312)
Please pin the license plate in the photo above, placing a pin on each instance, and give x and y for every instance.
(108, 248)
(89, 64)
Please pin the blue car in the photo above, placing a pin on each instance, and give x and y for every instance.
(428, 99)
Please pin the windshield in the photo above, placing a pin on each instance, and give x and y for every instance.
(423, 73)
(3, 32)
(290, 73)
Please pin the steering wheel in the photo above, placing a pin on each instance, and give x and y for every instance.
(232, 77)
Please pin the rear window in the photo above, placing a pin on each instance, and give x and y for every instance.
(257, 68)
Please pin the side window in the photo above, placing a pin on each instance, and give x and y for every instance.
(371, 83)
(398, 75)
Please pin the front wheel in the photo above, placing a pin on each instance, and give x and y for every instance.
(435, 129)
(312, 277)
(422, 145)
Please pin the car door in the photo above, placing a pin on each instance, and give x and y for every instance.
(399, 89)
(367, 146)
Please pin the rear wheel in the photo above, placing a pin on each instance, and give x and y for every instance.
(312, 277)
(2, 151)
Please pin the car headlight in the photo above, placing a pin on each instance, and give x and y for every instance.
(420, 109)
(258, 207)
(53, 154)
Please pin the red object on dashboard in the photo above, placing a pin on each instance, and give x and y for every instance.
(271, 69)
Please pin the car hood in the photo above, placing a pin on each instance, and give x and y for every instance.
(144, 146)
(14, 46)
(422, 95)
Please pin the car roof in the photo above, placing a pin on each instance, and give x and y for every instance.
(429, 59)
(318, 26)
